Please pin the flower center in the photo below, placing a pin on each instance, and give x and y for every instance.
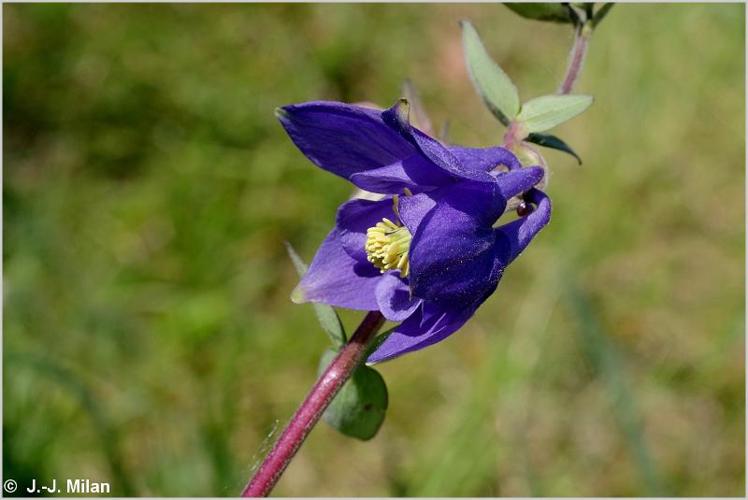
(387, 246)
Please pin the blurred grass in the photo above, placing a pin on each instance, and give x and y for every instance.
(148, 192)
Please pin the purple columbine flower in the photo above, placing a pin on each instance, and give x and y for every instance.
(426, 254)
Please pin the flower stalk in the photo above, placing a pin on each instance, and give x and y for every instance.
(314, 405)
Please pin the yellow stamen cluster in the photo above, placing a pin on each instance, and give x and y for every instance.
(387, 246)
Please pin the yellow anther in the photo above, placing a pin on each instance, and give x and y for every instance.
(387, 246)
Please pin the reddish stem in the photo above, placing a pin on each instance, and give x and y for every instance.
(576, 59)
(310, 411)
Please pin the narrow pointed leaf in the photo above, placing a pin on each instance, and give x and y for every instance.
(543, 113)
(360, 407)
(326, 315)
(601, 13)
(552, 142)
(492, 84)
(542, 11)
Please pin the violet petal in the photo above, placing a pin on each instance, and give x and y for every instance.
(394, 298)
(335, 278)
(519, 233)
(518, 181)
(397, 118)
(342, 138)
(354, 218)
(416, 173)
(485, 159)
(427, 326)
(453, 253)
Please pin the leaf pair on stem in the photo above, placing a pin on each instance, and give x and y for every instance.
(529, 120)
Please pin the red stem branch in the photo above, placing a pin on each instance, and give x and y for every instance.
(310, 411)
(576, 59)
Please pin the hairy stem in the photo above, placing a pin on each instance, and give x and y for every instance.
(576, 59)
(310, 411)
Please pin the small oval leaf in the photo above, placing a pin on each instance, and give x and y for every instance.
(492, 84)
(359, 408)
(543, 113)
(326, 315)
(542, 11)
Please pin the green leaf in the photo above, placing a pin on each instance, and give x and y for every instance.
(326, 315)
(542, 11)
(492, 84)
(359, 408)
(552, 142)
(601, 13)
(543, 113)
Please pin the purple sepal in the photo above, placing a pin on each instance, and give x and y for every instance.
(429, 325)
(519, 233)
(336, 278)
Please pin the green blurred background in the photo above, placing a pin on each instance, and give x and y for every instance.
(148, 336)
